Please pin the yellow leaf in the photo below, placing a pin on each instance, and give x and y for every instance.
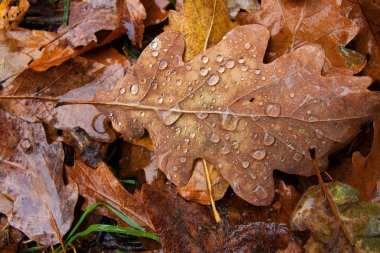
(11, 13)
(203, 24)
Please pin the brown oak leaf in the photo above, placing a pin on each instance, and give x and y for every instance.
(365, 175)
(295, 23)
(245, 117)
(31, 176)
(100, 185)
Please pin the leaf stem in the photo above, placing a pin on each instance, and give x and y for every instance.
(209, 187)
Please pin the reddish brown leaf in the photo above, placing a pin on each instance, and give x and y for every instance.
(31, 176)
(365, 175)
(245, 117)
(93, 24)
(189, 227)
(155, 11)
(295, 23)
(100, 185)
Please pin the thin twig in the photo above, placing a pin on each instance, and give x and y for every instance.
(208, 182)
(329, 198)
(54, 224)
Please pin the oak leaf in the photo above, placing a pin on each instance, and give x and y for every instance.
(100, 185)
(245, 117)
(11, 13)
(31, 176)
(366, 170)
(155, 11)
(295, 23)
(203, 23)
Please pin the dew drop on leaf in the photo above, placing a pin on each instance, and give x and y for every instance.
(219, 58)
(230, 64)
(213, 79)
(272, 110)
(122, 91)
(134, 89)
(204, 59)
(225, 150)
(162, 65)
(214, 138)
(258, 154)
(297, 156)
(203, 71)
(318, 133)
(257, 72)
(201, 115)
(268, 139)
(245, 164)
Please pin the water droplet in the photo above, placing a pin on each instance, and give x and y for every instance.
(221, 69)
(225, 150)
(244, 67)
(142, 114)
(179, 82)
(25, 144)
(182, 159)
(260, 192)
(204, 59)
(291, 95)
(188, 66)
(257, 71)
(185, 150)
(170, 116)
(308, 112)
(263, 78)
(247, 45)
(273, 110)
(253, 176)
(258, 154)
(203, 71)
(154, 85)
(213, 80)
(201, 115)
(318, 133)
(240, 60)
(313, 119)
(230, 64)
(134, 89)
(192, 135)
(154, 53)
(268, 139)
(177, 131)
(122, 91)
(219, 58)
(229, 122)
(154, 44)
(297, 156)
(162, 65)
(245, 164)
(214, 138)
(160, 100)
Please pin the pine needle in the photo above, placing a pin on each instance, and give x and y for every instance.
(209, 187)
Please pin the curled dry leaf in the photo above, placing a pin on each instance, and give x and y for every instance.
(245, 117)
(93, 24)
(18, 48)
(100, 185)
(235, 6)
(12, 12)
(295, 23)
(155, 11)
(31, 176)
(79, 77)
(366, 14)
(204, 23)
(366, 170)
(241, 229)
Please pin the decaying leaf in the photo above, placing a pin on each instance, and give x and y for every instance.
(100, 185)
(295, 23)
(245, 117)
(189, 227)
(235, 6)
(12, 12)
(366, 170)
(79, 77)
(203, 24)
(196, 190)
(31, 176)
(106, 21)
(366, 13)
(361, 219)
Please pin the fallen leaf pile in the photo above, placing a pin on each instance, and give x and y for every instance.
(193, 118)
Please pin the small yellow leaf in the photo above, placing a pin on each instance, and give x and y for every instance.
(203, 24)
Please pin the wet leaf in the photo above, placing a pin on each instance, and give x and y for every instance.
(79, 77)
(313, 213)
(241, 229)
(203, 22)
(366, 170)
(12, 12)
(100, 185)
(295, 23)
(31, 176)
(235, 6)
(245, 117)
(92, 24)
(366, 15)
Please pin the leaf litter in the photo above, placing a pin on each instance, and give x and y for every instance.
(243, 101)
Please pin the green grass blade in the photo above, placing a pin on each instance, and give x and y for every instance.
(66, 10)
(128, 181)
